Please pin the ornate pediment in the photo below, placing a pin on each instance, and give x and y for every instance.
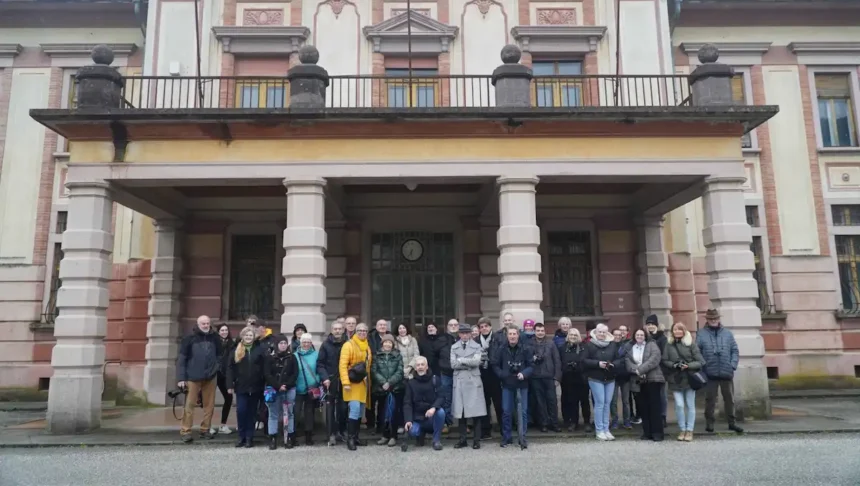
(261, 40)
(558, 38)
(429, 36)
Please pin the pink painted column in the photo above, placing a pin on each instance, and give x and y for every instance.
(518, 238)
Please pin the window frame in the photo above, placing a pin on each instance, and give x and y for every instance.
(746, 72)
(262, 229)
(833, 232)
(263, 86)
(569, 226)
(854, 83)
(760, 232)
(420, 81)
(576, 80)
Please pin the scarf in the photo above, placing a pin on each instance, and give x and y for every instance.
(362, 344)
(404, 340)
(486, 341)
(638, 353)
(598, 342)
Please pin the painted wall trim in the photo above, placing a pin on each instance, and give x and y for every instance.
(261, 40)
(811, 53)
(8, 53)
(558, 38)
(430, 37)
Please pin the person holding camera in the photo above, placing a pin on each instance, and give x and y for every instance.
(281, 373)
(487, 339)
(720, 351)
(547, 372)
(355, 364)
(197, 368)
(422, 406)
(603, 362)
(512, 363)
(574, 389)
(682, 357)
(327, 369)
(643, 361)
(245, 380)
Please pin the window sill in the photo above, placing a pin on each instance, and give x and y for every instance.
(751, 151)
(42, 327)
(839, 150)
(61, 156)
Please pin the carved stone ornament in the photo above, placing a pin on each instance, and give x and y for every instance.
(423, 11)
(556, 16)
(484, 6)
(337, 6)
(263, 17)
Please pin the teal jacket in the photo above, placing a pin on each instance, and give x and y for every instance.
(308, 377)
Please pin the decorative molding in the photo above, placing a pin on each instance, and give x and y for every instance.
(8, 53)
(85, 50)
(556, 16)
(826, 52)
(558, 38)
(429, 36)
(263, 16)
(484, 6)
(423, 11)
(337, 6)
(757, 48)
(247, 39)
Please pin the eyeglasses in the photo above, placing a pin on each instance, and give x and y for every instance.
(364, 331)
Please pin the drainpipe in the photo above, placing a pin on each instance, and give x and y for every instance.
(140, 12)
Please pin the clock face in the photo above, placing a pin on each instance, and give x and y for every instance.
(412, 250)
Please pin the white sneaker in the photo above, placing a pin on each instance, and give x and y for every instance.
(225, 430)
(609, 436)
(213, 431)
(259, 425)
(601, 436)
(400, 430)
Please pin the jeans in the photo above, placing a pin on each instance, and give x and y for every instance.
(546, 402)
(448, 390)
(685, 399)
(228, 398)
(509, 405)
(356, 409)
(728, 390)
(435, 424)
(282, 409)
(246, 414)
(602, 394)
(622, 389)
(648, 404)
(207, 389)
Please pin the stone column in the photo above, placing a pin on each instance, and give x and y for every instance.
(75, 394)
(732, 289)
(518, 238)
(162, 330)
(653, 266)
(304, 268)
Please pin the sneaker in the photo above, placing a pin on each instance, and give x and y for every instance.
(628, 425)
(187, 439)
(601, 436)
(382, 441)
(400, 430)
(437, 446)
(225, 430)
(207, 435)
(636, 421)
(392, 442)
(609, 436)
(614, 424)
(213, 431)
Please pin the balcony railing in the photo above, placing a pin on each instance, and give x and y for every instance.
(425, 92)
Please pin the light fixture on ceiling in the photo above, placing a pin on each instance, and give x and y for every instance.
(411, 186)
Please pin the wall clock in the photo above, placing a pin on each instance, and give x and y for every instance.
(412, 250)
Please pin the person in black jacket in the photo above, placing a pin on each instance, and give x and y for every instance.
(437, 350)
(603, 363)
(574, 389)
(280, 371)
(197, 368)
(228, 345)
(245, 380)
(513, 365)
(492, 390)
(422, 407)
(657, 333)
(327, 369)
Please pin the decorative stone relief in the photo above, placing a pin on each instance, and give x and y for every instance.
(263, 17)
(423, 11)
(337, 6)
(484, 6)
(556, 16)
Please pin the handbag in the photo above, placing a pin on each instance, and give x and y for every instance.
(696, 379)
(358, 372)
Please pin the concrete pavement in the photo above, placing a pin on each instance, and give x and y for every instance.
(763, 460)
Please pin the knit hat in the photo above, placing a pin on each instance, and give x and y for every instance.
(387, 337)
(652, 319)
(307, 337)
(281, 337)
(528, 323)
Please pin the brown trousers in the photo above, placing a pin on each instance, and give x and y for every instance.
(208, 388)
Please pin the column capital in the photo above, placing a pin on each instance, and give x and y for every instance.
(505, 180)
(91, 188)
(649, 220)
(292, 183)
(724, 183)
(168, 224)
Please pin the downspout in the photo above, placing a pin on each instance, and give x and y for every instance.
(140, 13)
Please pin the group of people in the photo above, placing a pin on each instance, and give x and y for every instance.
(405, 388)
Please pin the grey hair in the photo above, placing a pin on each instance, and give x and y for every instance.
(602, 326)
(565, 320)
(420, 359)
(361, 324)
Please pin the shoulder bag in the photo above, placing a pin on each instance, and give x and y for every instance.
(358, 372)
(696, 379)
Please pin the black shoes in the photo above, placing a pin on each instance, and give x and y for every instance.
(437, 446)
(309, 438)
(187, 439)
(273, 442)
(240, 443)
(736, 428)
(404, 444)
(524, 445)
(290, 441)
(249, 443)
(206, 435)
(461, 444)
(351, 431)
(709, 428)
(476, 445)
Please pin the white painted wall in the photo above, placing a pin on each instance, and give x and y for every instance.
(36, 36)
(22, 165)
(639, 38)
(793, 180)
(176, 39)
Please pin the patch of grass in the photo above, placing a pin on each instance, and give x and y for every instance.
(22, 394)
(815, 382)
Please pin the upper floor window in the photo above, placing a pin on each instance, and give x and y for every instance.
(72, 99)
(261, 93)
(835, 110)
(571, 275)
(846, 215)
(421, 90)
(557, 91)
(739, 97)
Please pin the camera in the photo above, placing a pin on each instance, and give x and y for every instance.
(679, 364)
(515, 366)
(176, 392)
(538, 359)
(572, 365)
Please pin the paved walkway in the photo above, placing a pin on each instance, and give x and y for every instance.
(157, 426)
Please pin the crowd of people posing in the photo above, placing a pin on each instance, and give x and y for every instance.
(406, 388)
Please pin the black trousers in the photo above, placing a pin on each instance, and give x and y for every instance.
(308, 407)
(546, 401)
(389, 430)
(650, 410)
(574, 396)
(336, 414)
(370, 413)
(228, 398)
(492, 393)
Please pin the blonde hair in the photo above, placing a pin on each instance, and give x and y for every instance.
(239, 355)
(574, 331)
(681, 325)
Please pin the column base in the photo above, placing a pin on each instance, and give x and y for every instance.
(75, 403)
(752, 393)
(157, 381)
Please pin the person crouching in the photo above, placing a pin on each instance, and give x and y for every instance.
(422, 406)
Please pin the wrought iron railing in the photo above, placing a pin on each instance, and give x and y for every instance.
(424, 92)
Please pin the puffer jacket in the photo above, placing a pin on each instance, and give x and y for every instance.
(198, 358)
(387, 368)
(547, 363)
(720, 352)
(281, 370)
(307, 377)
(422, 394)
(651, 361)
(685, 351)
(594, 354)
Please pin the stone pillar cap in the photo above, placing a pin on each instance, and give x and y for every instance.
(309, 56)
(708, 55)
(102, 57)
(511, 68)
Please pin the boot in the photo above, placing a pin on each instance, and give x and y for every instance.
(358, 441)
(273, 442)
(351, 431)
(332, 441)
(309, 438)
(463, 431)
(290, 442)
(476, 439)
(736, 428)
(294, 441)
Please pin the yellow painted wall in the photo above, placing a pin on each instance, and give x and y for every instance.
(420, 150)
(780, 36)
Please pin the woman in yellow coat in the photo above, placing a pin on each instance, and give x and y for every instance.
(356, 395)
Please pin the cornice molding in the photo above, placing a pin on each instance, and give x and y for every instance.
(558, 38)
